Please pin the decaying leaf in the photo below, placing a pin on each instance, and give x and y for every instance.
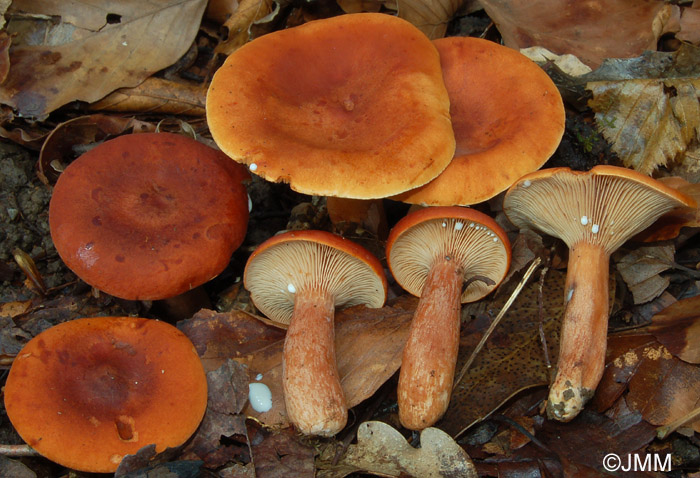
(513, 358)
(369, 344)
(279, 453)
(677, 327)
(238, 25)
(592, 30)
(94, 49)
(156, 96)
(647, 108)
(640, 269)
(64, 143)
(661, 387)
(383, 451)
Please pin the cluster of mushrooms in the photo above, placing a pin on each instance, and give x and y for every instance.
(356, 107)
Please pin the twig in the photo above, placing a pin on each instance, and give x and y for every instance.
(18, 450)
(540, 327)
(496, 321)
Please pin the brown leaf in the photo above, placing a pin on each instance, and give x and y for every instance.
(383, 451)
(279, 453)
(640, 269)
(227, 394)
(678, 328)
(592, 30)
(513, 358)
(430, 17)
(97, 56)
(156, 96)
(238, 25)
(661, 387)
(369, 344)
(64, 143)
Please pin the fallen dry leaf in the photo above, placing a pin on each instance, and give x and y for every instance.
(660, 386)
(369, 345)
(513, 358)
(677, 327)
(640, 269)
(383, 451)
(592, 30)
(156, 96)
(279, 453)
(238, 25)
(64, 143)
(94, 49)
(647, 107)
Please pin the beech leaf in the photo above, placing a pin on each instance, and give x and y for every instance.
(647, 108)
(640, 270)
(86, 57)
(677, 327)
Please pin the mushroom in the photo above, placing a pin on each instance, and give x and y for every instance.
(594, 213)
(149, 216)
(508, 119)
(299, 278)
(351, 106)
(87, 392)
(447, 256)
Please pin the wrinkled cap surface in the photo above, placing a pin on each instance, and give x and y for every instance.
(474, 240)
(352, 106)
(149, 216)
(508, 119)
(89, 391)
(606, 205)
(296, 261)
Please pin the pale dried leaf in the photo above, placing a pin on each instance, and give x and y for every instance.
(647, 122)
(640, 270)
(87, 59)
(383, 451)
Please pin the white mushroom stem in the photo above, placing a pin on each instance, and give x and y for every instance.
(313, 395)
(430, 354)
(584, 331)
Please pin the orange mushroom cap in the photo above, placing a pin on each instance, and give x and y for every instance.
(478, 244)
(508, 119)
(149, 216)
(89, 391)
(352, 106)
(312, 259)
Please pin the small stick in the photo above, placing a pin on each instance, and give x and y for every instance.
(18, 450)
(496, 321)
(543, 339)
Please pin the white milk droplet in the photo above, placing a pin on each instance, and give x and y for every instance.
(260, 397)
(458, 226)
(526, 183)
(253, 166)
(259, 377)
(291, 288)
(584, 220)
(595, 228)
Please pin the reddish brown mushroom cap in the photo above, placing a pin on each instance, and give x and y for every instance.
(89, 391)
(508, 119)
(468, 236)
(352, 106)
(149, 216)
(311, 260)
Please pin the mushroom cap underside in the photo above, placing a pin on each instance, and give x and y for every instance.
(298, 261)
(352, 106)
(87, 392)
(470, 237)
(605, 206)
